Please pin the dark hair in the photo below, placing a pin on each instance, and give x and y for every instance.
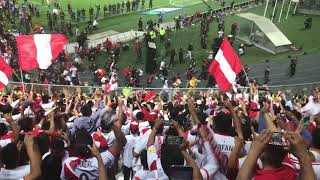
(26, 124)
(5, 108)
(79, 142)
(10, 156)
(45, 99)
(223, 122)
(43, 142)
(3, 129)
(170, 155)
(86, 110)
(316, 138)
(51, 165)
(274, 155)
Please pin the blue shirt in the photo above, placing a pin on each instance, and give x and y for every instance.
(90, 123)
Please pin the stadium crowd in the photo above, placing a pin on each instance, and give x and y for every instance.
(243, 134)
(206, 135)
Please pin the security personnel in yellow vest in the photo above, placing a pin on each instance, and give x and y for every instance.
(152, 35)
(162, 34)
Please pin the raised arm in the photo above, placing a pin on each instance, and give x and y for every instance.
(196, 171)
(235, 118)
(121, 140)
(192, 111)
(257, 147)
(233, 158)
(298, 148)
(95, 152)
(157, 124)
(14, 128)
(34, 156)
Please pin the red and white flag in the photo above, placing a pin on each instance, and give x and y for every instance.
(226, 66)
(5, 72)
(39, 50)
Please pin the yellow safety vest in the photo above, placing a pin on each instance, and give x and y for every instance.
(162, 32)
(152, 35)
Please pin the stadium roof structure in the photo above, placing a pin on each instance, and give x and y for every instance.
(264, 34)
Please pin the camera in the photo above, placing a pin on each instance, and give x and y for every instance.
(174, 140)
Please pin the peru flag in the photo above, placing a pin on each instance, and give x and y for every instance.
(226, 66)
(39, 50)
(5, 72)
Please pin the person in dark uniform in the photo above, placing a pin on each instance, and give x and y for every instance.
(128, 6)
(172, 56)
(133, 6)
(293, 65)
(62, 15)
(150, 4)
(122, 7)
(91, 13)
(180, 55)
(105, 9)
(140, 25)
(98, 11)
(267, 75)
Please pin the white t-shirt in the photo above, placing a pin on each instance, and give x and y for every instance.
(128, 159)
(15, 174)
(73, 71)
(76, 168)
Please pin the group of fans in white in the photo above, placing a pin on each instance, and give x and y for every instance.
(203, 136)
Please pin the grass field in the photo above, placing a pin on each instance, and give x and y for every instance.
(126, 22)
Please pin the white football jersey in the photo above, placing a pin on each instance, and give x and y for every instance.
(77, 168)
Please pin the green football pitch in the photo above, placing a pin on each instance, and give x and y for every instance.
(125, 22)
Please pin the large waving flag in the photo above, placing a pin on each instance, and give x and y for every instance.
(226, 66)
(5, 72)
(39, 50)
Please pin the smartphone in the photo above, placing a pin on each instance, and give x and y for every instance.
(179, 172)
(278, 140)
(167, 123)
(64, 101)
(174, 140)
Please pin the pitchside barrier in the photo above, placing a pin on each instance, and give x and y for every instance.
(290, 90)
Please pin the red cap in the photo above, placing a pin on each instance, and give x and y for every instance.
(134, 127)
(152, 116)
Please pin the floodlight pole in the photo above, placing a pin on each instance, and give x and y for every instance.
(281, 10)
(274, 10)
(265, 9)
(288, 9)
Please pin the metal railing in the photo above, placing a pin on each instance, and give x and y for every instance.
(291, 89)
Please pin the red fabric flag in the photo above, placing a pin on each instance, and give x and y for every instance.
(39, 50)
(226, 66)
(5, 72)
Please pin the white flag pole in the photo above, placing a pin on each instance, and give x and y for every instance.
(288, 9)
(247, 78)
(265, 9)
(274, 10)
(281, 10)
(295, 8)
(23, 88)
